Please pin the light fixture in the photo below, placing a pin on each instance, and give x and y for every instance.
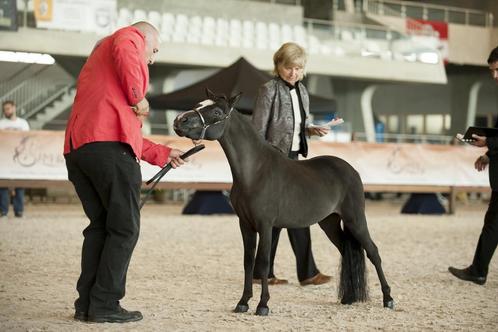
(27, 57)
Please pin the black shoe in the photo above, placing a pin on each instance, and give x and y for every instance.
(81, 315)
(120, 316)
(465, 274)
(18, 214)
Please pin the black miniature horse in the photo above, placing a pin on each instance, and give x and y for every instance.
(269, 190)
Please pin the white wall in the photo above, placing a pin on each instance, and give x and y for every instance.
(469, 44)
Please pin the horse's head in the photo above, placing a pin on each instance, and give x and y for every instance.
(208, 119)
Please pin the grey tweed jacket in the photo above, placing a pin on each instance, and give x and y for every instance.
(273, 116)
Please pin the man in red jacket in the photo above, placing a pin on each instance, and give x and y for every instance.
(103, 145)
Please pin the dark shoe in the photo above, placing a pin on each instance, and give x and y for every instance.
(272, 281)
(319, 279)
(18, 214)
(467, 275)
(120, 316)
(81, 315)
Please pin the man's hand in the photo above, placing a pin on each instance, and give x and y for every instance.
(141, 109)
(174, 158)
(481, 163)
(480, 141)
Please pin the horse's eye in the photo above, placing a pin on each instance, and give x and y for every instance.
(217, 113)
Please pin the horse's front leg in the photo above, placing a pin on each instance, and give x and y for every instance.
(249, 238)
(263, 268)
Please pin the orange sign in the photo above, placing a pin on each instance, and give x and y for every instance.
(43, 10)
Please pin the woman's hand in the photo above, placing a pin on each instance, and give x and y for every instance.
(318, 131)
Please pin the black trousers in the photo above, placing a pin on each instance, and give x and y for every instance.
(300, 240)
(488, 239)
(107, 179)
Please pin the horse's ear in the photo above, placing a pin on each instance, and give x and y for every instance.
(233, 100)
(210, 94)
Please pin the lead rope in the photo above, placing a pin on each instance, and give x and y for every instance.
(158, 176)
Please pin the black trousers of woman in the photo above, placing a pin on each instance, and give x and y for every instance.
(300, 240)
(107, 179)
(488, 239)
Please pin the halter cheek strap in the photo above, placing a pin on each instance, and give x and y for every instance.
(204, 126)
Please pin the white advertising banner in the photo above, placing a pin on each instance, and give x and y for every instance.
(76, 15)
(37, 155)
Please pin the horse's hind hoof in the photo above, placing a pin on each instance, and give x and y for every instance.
(241, 308)
(389, 304)
(262, 311)
(347, 300)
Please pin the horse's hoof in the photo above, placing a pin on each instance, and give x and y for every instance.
(347, 300)
(389, 304)
(241, 308)
(262, 311)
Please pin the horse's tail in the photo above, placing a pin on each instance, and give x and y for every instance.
(353, 281)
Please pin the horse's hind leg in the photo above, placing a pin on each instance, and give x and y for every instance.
(332, 227)
(249, 239)
(359, 230)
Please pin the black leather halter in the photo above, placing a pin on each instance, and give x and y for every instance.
(206, 126)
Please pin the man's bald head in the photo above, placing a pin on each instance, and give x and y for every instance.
(151, 40)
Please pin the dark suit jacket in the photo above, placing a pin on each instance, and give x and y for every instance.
(492, 153)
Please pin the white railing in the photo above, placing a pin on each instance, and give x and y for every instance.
(37, 89)
(44, 100)
(10, 83)
(370, 41)
(413, 26)
(358, 31)
(429, 12)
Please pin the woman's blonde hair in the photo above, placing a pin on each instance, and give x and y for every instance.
(289, 54)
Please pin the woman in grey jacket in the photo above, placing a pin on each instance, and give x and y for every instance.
(281, 116)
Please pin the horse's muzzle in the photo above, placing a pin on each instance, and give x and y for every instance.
(177, 126)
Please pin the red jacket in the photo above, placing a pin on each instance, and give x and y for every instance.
(114, 77)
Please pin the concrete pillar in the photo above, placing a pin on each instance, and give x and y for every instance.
(348, 94)
(367, 112)
(169, 86)
(472, 106)
(460, 94)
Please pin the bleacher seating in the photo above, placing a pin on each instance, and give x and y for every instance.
(139, 15)
(323, 38)
(333, 40)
